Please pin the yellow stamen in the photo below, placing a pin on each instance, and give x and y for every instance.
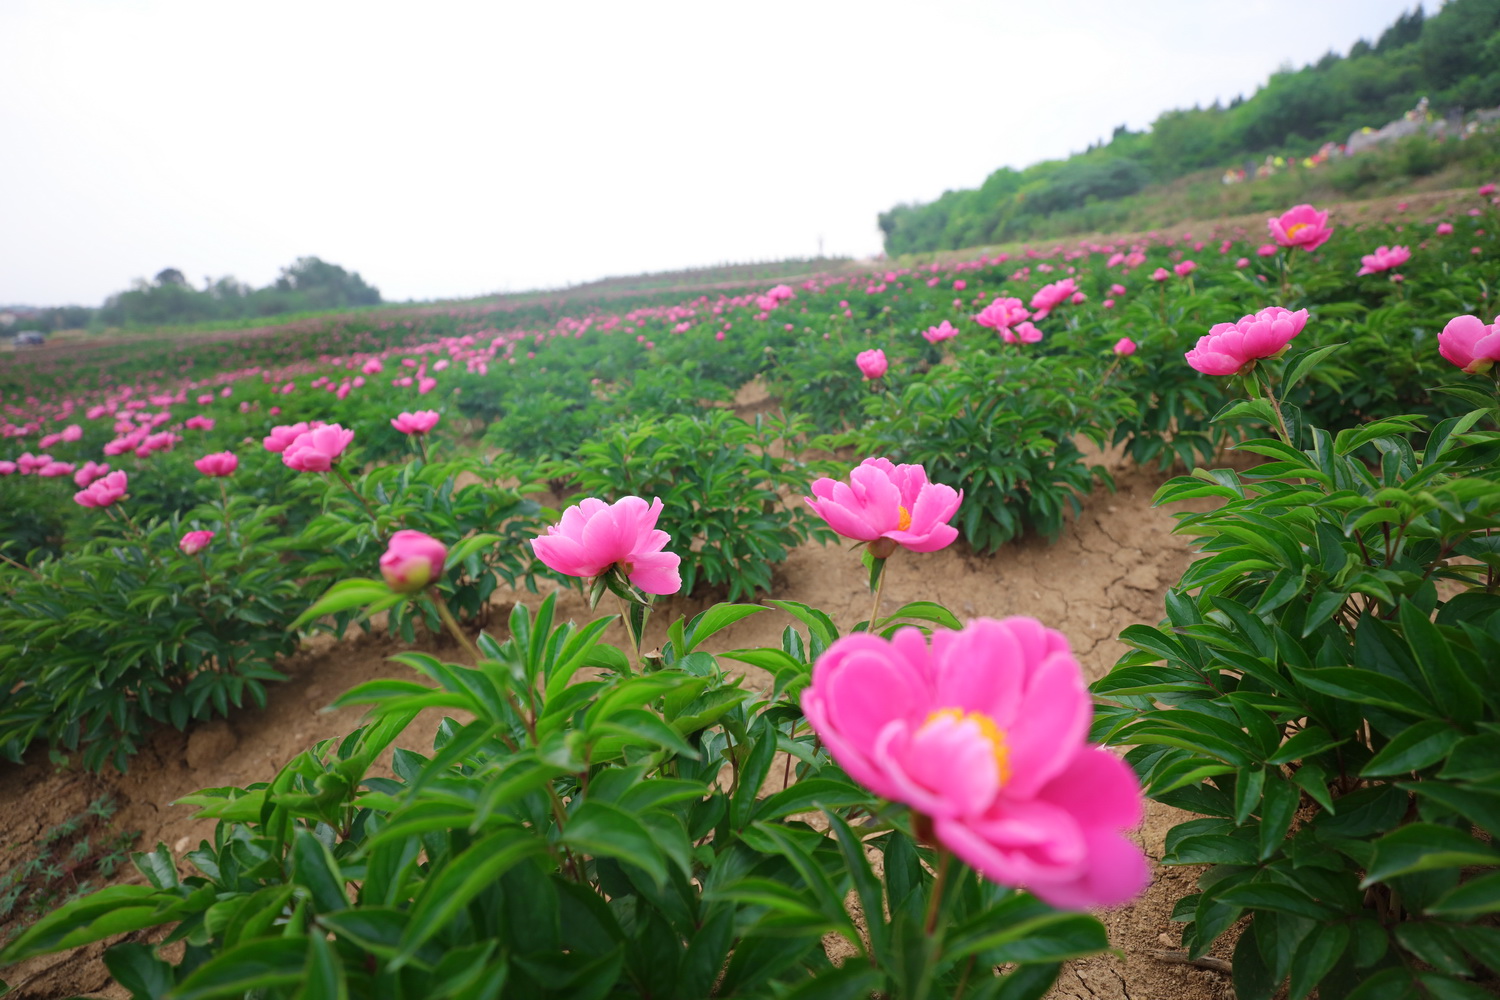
(988, 729)
(1292, 231)
(904, 521)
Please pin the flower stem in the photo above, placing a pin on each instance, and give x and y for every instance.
(20, 566)
(938, 885)
(1276, 409)
(422, 446)
(451, 624)
(362, 501)
(875, 606)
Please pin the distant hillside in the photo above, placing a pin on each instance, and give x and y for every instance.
(1452, 58)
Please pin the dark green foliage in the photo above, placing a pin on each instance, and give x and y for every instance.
(1002, 428)
(578, 838)
(1322, 691)
(730, 500)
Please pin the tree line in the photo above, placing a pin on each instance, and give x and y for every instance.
(1452, 58)
(310, 284)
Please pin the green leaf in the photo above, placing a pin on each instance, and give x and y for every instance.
(1316, 956)
(715, 619)
(1304, 363)
(1274, 896)
(256, 965)
(1419, 745)
(313, 867)
(1476, 897)
(1366, 687)
(809, 795)
(1420, 847)
(118, 909)
(1301, 745)
(343, 596)
(136, 967)
(464, 876)
(1055, 937)
(600, 829)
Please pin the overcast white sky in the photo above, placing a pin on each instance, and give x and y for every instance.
(449, 149)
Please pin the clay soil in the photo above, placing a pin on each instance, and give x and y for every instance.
(1110, 569)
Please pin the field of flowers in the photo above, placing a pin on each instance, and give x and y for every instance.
(594, 820)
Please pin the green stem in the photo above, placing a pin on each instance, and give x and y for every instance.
(422, 446)
(362, 501)
(20, 566)
(1275, 407)
(875, 607)
(938, 884)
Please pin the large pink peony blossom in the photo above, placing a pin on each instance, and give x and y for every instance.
(593, 536)
(889, 505)
(316, 450)
(1469, 343)
(1229, 348)
(982, 733)
(1302, 226)
(1384, 258)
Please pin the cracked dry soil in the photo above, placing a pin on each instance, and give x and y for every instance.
(1109, 570)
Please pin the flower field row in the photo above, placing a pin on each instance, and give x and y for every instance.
(1320, 694)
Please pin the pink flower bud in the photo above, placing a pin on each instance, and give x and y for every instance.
(412, 560)
(872, 363)
(415, 423)
(195, 542)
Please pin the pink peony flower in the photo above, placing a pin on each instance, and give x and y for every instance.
(871, 363)
(372, 367)
(1124, 347)
(982, 733)
(888, 505)
(1230, 348)
(102, 492)
(1160, 274)
(1485, 190)
(1002, 314)
(8, 468)
(199, 423)
(1027, 333)
(411, 561)
(89, 472)
(937, 334)
(195, 542)
(284, 435)
(1303, 226)
(1185, 268)
(1444, 228)
(1266, 250)
(1468, 343)
(1049, 297)
(415, 423)
(316, 450)
(1242, 262)
(1384, 258)
(220, 463)
(594, 537)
